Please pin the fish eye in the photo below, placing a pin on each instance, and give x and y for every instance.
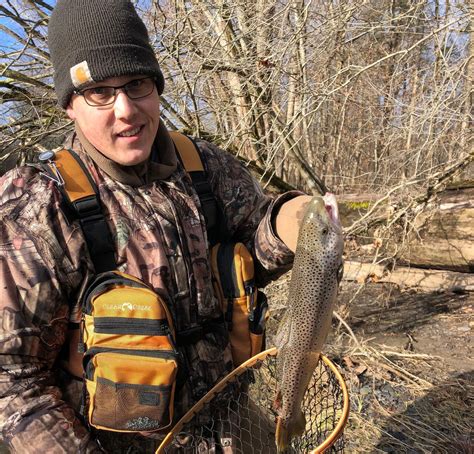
(325, 231)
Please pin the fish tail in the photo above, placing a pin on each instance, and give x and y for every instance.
(283, 435)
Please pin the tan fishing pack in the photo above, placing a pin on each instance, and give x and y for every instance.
(127, 337)
(245, 307)
(130, 360)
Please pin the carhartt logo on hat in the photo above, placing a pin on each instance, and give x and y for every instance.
(80, 74)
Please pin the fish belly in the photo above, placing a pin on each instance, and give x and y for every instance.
(309, 324)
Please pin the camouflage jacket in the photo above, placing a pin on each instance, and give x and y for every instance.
(160, 237)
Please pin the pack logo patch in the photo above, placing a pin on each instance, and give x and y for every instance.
(80, 74)
(149, 398)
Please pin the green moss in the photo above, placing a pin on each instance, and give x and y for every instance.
(357, 205)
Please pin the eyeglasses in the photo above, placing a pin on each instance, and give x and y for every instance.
(104, 96)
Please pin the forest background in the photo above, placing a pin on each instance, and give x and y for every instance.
(363, 94)
(372, 99)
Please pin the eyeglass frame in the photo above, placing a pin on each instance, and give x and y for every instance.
(120, 87)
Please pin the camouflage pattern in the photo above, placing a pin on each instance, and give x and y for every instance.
(160, 237)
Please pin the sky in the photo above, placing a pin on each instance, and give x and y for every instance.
(9, 44)
(6, 41)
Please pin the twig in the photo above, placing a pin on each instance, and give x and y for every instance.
(409, 355)
(348, 328)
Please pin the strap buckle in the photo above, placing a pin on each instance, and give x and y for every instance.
(88, 206)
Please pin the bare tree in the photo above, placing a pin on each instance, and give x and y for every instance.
(359, 94)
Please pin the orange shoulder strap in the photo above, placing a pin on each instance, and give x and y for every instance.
(82, 197)
(76, 181)
(188, 153)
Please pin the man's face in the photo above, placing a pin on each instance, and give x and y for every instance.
(108, 127)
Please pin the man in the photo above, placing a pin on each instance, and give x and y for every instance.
(109, 81)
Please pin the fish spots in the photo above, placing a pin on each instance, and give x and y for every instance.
(311, 298)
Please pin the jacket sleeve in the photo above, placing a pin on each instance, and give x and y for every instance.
(36, 277)
(249, 212)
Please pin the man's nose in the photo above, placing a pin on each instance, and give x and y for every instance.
(124, 107)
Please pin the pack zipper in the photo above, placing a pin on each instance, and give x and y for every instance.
(118, 325)
(225, 262)
(130, 351)
(165, 354)
(249, 291)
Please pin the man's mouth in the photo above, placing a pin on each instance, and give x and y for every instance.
(130, 132)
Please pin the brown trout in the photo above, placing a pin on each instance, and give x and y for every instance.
(317, 270)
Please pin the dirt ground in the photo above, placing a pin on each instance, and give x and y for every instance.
(408, 360)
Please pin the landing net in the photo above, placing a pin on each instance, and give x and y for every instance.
(237, 415)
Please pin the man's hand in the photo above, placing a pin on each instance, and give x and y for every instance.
(288, 220)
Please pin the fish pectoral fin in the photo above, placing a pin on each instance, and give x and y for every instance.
(283, 435)
(277, 401)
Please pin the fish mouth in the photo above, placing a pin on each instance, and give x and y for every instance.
(332, 210)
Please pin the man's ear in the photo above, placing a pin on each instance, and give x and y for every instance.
(70, 111)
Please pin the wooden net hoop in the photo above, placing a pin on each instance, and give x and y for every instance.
(331, 438)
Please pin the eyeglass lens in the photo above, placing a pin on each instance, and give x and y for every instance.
(135, 89)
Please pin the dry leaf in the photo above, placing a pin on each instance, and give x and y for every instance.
(359, 370)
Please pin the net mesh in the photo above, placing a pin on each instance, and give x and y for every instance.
(241, 417)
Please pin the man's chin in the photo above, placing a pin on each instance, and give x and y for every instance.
(132, 159)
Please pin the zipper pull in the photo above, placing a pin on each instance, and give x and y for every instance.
(169, 335)
(81, 348)
(250, 292)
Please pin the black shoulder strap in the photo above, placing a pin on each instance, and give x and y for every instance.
(82, 197)
(192, 161)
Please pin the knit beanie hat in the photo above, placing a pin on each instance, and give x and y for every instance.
(91, 40)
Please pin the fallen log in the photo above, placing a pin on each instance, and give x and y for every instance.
(439, 236)
(443, 234)
(409, 277)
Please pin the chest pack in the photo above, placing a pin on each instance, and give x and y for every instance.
(127, 336)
